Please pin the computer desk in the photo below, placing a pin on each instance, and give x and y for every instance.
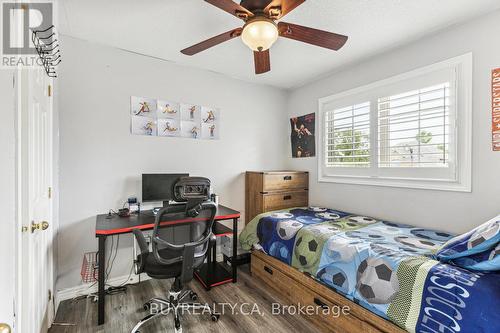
(210, 274)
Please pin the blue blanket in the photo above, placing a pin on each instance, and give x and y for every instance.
(385, 267)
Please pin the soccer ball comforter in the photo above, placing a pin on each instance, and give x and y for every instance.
(386, 267)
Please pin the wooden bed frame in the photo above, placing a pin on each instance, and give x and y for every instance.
(299, 288)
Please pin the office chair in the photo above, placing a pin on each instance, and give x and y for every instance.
(169, 260)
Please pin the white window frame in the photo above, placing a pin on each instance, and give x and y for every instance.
(459, 180)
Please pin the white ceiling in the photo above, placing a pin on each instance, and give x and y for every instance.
(161, 28)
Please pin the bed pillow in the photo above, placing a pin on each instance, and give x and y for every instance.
(478, 240)
(484, 261)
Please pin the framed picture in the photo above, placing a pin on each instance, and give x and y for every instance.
(190, 129)
(143, 126)
(190, 112)
(210, 131)
(143, 107)
(169, 127)
(167, 118)
(168, 110)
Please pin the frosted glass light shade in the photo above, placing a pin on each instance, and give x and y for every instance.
(260, 35)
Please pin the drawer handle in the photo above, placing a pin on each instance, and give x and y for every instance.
(320, 303)
(287, 197)
(287, 178)
(267, 269)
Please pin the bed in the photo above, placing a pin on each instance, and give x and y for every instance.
(384, 267)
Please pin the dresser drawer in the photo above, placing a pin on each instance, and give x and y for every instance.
(274, 201)
(285, 181)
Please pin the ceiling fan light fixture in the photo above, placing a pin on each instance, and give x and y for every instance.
(260, 34)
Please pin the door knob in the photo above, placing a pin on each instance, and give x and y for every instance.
(37, 226)
(34, 226)
(4, 328)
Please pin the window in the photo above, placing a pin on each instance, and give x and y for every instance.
(413, 130)
(348, 133)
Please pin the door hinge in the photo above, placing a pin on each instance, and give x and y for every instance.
(50, 90)
(50, 192)
(50, 295)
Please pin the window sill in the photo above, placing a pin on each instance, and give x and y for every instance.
(423, 184)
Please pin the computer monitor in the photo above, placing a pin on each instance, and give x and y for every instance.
(159, 187)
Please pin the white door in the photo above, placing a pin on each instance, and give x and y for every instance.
(35, 260)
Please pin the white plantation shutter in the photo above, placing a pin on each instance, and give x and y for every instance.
(413, 128)
(348, 136)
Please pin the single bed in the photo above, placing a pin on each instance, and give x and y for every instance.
(384, 267)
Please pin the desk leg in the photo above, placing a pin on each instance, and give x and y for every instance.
(209, 266)
(235, 249)
(101, 280)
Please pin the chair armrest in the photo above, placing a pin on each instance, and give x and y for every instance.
(213, 240)
(141, 240)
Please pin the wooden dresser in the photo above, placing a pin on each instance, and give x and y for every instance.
(272, 190)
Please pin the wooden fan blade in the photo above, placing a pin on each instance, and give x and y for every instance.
(312, 36)
(286, 6)
(192, 50)
(232, 8)
(262, 61)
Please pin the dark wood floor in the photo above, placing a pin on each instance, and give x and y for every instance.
(123, 311)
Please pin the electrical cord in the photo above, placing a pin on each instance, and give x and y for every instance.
(114, 257)
(109, 258)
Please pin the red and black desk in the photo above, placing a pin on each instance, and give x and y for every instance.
(210, 274)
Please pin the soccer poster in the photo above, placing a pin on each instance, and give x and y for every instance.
(303, 136)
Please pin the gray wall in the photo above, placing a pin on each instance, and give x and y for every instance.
(101, 162)
(7, 196)
(451, 211)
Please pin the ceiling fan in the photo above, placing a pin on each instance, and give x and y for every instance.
(261, 31)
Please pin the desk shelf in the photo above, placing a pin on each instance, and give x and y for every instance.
(220, 273)
(220, 230)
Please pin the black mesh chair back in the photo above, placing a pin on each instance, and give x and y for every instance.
(185, 243)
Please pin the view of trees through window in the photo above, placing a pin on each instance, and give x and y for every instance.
(413, 128)
(348, 135)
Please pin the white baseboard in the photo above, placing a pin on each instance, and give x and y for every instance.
(91, 288)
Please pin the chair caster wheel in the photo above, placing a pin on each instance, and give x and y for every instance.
(193, 296)
(178, 328)
(147, 306)
(215, 317)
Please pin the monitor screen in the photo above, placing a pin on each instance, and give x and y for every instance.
(158, 187)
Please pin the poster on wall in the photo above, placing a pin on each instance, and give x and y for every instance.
(143, 107)
(167, 118)
(143, 126)
(209, 123)
(495, 89)
(169, 127)
(190, 129)
(168, 110)
(303, 136)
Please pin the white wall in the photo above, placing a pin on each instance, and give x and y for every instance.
(450, 211)
(7, 197)
(101, 162)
